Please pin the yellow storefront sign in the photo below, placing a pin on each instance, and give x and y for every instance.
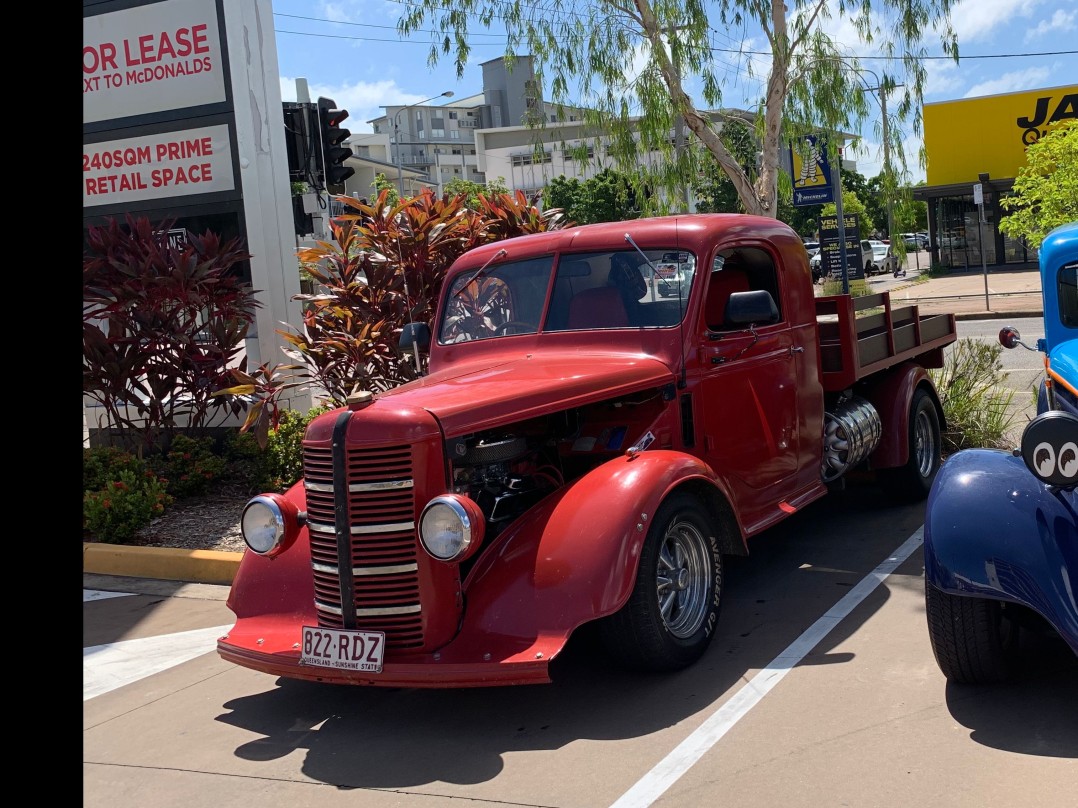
(974, 135)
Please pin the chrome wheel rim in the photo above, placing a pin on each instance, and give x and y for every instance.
(683, 579)
(924, 444)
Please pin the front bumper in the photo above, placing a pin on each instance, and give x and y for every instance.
(271, 645)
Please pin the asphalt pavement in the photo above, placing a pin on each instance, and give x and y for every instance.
(970, 294)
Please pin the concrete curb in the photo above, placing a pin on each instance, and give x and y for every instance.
(162, 563)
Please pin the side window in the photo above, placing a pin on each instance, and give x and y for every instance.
(1067, 286)
(745, 269)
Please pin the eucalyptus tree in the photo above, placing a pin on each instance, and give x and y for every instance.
(632, 63)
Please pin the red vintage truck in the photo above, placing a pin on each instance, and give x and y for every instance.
(582, 449)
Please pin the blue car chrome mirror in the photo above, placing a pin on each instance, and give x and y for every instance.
(1050, 448)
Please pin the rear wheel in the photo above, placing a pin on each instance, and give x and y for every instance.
(670, 617)
(972, 639)
(913, 480)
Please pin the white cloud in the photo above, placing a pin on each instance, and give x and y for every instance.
(1010, 82)
(944, 78)
(1060, 21)
(364, 100)
(976, 19)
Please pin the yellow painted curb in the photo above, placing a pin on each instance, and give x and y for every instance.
(164, 563)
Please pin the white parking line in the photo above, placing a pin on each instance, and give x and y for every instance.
(653, 784)
(97, 594)
(107, 667)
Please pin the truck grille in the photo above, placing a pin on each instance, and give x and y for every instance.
(381, 571)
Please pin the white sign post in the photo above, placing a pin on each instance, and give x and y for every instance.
(978, 200)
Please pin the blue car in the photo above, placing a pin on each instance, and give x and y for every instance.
(1059, 289)
(1001, 528)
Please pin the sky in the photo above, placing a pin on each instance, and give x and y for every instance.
(349, 51)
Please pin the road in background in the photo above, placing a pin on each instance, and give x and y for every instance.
(1022, 370)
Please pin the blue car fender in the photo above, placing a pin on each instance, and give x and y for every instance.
(993, 530)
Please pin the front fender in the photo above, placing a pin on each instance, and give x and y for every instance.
(278, 585)
(993, 530)
(573, 557)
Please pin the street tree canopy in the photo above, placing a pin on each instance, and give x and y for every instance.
(1046, 188)
(633, 63)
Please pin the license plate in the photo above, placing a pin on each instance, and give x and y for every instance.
(348, 650)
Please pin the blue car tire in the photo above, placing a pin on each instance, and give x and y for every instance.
(972, 639)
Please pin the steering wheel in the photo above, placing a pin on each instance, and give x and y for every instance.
(523, 327)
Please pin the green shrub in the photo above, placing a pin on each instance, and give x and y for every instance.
(285, 447)
(115, 513)
(248, 463)
(833, 286)
(190, 467)
(975, 403)
(103, 464)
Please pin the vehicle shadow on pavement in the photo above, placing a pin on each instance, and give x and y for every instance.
(1036, 714)
(358, 737)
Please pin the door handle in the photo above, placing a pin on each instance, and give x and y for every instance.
(796, 349)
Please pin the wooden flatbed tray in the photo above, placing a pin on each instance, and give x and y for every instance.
(860, 336)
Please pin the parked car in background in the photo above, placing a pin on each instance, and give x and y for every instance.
(812, 248)
(1001, 532)
(883, 259)
(915, 241)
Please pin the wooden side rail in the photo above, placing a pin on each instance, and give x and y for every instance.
(860, 336)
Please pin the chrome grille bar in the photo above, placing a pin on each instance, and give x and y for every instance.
(391, 569)
(382, 611)
(392, 527)
(384, 485)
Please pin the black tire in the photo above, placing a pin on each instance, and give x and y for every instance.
(670, 617)
(912, 481)
(973, 641)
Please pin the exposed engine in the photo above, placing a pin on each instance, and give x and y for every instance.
(850, 434)
(504, 475)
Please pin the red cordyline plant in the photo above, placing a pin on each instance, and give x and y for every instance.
(384, 269)
(161, 326)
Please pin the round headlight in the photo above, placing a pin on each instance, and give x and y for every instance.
(451, 528)
(262, 525)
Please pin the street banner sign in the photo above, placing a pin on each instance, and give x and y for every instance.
(978, 194)
(811, 171)
(830, 259)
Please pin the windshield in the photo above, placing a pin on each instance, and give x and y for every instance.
(1068, 295)
(591, 291)
(621, 289)
(505, 299)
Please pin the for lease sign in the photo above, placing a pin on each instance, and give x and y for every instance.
(181, 163)
(151, 58)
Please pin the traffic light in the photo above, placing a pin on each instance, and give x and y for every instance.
(334, 153)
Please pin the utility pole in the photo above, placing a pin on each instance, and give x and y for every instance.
(886, 132)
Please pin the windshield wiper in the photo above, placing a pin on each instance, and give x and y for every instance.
(479, 272)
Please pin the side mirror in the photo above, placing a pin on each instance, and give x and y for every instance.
(1009, 337)
(1050, 448)
(749, 308)
(415, 336)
